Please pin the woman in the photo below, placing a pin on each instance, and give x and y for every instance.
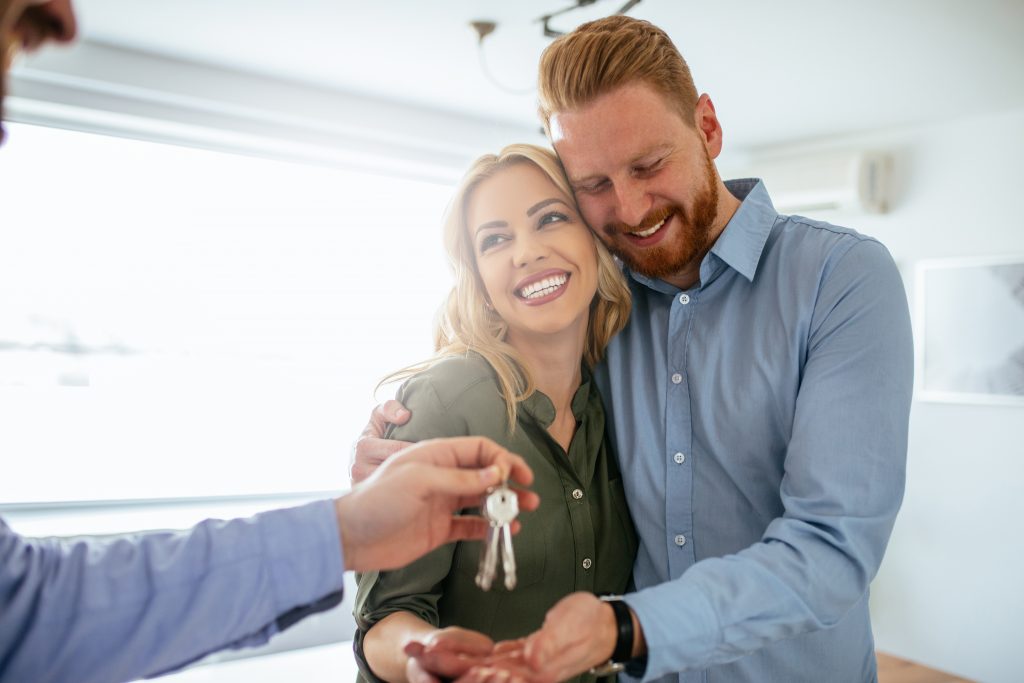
(536, 300)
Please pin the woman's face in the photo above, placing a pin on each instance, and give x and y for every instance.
(536, 257)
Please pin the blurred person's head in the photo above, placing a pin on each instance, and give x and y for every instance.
(26, 25)
(637, 142)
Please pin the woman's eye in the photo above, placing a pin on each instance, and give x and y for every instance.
(552, 217)
(491, 241)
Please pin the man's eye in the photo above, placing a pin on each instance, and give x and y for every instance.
(592, 188)
(552, 217)
(647, 169)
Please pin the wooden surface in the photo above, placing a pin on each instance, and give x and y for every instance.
(895, 670)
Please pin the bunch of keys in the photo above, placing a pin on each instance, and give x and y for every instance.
(500, 509)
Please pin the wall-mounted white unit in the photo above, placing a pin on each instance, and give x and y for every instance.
(849, 181)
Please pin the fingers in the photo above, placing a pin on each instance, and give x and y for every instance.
(369, 453)
(415, 672)
(389, 412)
(464, 640)
(440, 662)
(472, 452)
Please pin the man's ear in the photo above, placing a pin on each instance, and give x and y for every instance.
(706, 122)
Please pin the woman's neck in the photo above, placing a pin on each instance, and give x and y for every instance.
(553, 362)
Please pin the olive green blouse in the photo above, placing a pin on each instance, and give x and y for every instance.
(580, 539)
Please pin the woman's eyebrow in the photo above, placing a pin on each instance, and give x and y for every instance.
(541, 204)
(491, 225)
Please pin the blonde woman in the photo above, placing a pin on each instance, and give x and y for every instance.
(536, 300)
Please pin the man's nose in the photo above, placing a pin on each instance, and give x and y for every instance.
(633, 202)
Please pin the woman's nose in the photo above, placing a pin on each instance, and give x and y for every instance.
(528, 248)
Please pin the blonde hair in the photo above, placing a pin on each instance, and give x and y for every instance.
(465, 322)
(602, 55)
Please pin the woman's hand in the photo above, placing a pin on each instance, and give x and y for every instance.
(446, 654)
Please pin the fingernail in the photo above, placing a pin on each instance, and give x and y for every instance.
(401, 413)
(490, 474)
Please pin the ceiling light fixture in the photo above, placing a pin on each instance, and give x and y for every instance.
(554, 33)
(485, 27)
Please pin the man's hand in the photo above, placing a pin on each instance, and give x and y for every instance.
(446, 654)
(372, 449)
(408, 506)
(579, 633)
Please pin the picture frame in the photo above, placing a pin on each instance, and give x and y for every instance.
(970, 330)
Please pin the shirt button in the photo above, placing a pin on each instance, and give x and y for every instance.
(684, 299)
(680, 540)
(577, 494)
(587, 563)
(679, 458)
(677, 378)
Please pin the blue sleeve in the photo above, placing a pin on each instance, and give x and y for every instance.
(128, 607)
(842, 486)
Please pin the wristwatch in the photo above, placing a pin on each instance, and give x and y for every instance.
(622, 656)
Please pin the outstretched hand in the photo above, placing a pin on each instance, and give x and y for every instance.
(467, 657)
(408, 506)
(579, 633)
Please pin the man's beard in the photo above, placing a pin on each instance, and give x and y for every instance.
(671, 256)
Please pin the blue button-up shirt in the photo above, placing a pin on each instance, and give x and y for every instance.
(761, 421)
(127, 607)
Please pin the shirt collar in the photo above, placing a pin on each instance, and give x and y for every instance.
(741, 243)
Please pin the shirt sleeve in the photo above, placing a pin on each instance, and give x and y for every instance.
(127, 607)
(842, 486)
(417, 587)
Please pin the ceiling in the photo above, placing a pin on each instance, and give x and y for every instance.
(777, 71)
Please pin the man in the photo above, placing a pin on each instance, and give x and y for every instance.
(760, 394)
(137, 606)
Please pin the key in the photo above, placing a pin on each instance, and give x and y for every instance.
(489, 558)
(500, 508)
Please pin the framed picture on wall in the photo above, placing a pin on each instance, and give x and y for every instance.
(970, 330)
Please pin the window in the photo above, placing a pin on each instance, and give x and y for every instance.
(177, 322)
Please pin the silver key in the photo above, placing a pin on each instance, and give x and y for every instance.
(500, 508)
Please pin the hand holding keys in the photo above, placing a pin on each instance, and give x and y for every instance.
(501, 506)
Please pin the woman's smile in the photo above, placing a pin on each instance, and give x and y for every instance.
(541, 288)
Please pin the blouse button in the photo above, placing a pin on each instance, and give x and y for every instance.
(587, 563)
(577, 494)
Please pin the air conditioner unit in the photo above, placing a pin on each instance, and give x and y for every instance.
(847, 181)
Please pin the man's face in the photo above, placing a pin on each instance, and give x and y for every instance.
(27, 25)
(643, 178)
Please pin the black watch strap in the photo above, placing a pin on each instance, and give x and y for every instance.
(624, 627)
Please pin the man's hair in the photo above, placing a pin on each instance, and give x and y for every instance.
(602, 55)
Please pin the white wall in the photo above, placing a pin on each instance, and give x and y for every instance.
(951, 590)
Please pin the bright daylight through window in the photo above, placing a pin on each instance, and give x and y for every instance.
(177, 322)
